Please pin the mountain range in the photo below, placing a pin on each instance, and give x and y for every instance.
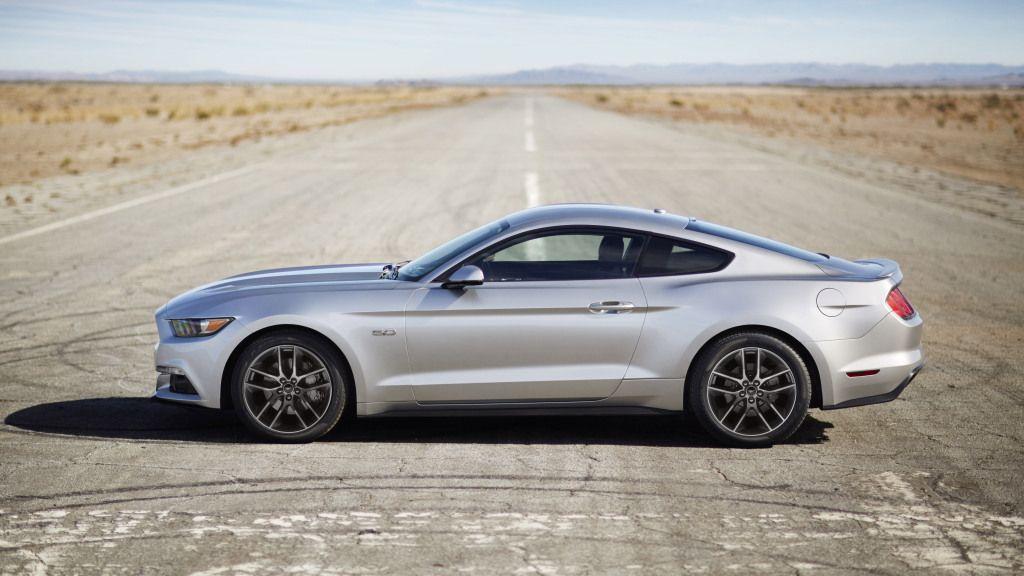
(799, 73)
(794, 73)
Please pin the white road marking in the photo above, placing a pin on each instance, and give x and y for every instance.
(531, 184)
(530, 145)
(532, 189)
(128, 204)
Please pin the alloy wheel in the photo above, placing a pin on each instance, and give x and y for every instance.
(287, 389)
(751, 392)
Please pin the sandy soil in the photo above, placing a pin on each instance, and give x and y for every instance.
(65, 128)
(976, 134)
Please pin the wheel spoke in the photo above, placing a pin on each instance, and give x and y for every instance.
(264, 374)
(729, 411)
(777, 413)
(723, 390)
(757, 372)
(295, 360)
(310, 408)
(301, 419)
(776, 375)
(265, 406)
(740, 421)
(258, 387)
(766, 424)
(786, 387)
(720, 375)
(276, 416)
(743, 362)
(280, 364)
(308, 374)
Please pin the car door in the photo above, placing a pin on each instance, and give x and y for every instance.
(557, 318)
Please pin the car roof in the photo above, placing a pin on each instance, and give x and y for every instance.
(645, 219)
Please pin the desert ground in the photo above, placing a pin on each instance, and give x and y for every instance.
(70, 128)
(96, 478)
(972, 133)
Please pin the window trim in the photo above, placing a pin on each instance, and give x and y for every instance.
(634, 273)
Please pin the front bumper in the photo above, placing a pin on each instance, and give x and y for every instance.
(200, 361)
(892, 348)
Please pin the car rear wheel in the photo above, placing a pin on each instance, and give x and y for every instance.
(749, 389)
(288, 386)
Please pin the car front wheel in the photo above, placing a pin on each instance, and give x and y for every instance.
(750, 389)
(288, 386)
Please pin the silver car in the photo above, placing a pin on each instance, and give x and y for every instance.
(557, 309)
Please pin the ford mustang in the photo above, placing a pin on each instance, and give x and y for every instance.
(556, 309)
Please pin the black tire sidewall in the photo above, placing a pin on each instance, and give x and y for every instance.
(697, 385)
(340, 384)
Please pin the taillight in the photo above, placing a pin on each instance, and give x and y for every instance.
(899, 304)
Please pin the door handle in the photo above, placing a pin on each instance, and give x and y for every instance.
(611, 307)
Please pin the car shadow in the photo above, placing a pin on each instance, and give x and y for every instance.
(146, 419)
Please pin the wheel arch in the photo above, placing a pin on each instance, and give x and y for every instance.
(802, 350)
(229, 366)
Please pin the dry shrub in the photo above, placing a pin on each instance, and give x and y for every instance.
(990, 101)
(944, 105)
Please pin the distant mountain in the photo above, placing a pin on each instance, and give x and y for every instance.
(806, 73)
(794, 73)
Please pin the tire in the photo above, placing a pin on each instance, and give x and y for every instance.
(739, 410)
(290, 386)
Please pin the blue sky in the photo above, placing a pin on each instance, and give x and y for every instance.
(367, 39)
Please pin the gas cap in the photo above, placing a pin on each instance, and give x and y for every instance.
(831, 302)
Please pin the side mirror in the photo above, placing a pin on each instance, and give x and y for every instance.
(468, 275)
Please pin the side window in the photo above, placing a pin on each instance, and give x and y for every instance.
(664, 257)
(563, 255)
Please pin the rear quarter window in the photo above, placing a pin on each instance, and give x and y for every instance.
(668, 257)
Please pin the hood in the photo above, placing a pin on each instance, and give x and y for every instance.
(304, 278)
(302, 275)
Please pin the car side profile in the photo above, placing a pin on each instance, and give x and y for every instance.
(574, 308)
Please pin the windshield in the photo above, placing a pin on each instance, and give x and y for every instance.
(737, 236)
(420, 267)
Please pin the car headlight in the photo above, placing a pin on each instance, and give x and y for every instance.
(194, 327)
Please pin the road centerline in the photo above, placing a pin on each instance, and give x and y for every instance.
(531, 181)
(531, 187)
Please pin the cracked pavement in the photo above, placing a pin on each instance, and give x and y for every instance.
(95, 478)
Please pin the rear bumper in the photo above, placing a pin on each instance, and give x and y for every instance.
(891, 352)
(879, 398)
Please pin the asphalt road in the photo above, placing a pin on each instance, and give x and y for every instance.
(96, 478)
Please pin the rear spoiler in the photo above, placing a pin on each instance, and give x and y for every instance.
(868, 269)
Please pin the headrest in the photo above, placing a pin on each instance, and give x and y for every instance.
(611, 249)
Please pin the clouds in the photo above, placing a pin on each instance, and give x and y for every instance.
(416, 38)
